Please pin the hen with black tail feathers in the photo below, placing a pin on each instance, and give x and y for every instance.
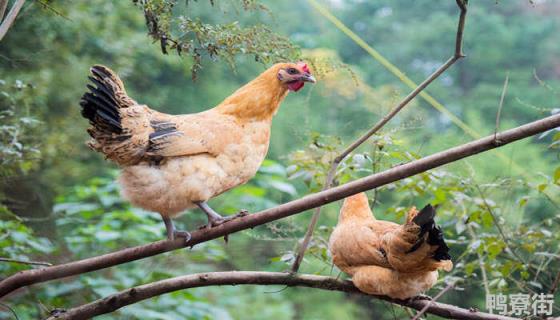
(385, 258)
(171, 163)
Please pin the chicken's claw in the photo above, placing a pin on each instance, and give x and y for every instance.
(173, 233)
(242, 213)
(214, 218)
(214, 221)
(182, 234)
(420, 297)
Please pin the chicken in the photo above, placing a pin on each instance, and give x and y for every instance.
(385, 258)
(171, 163)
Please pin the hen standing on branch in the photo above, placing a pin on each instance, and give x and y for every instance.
(385, 258)
(171, 163)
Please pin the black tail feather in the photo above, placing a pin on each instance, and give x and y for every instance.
(99, 105)
(425, 219)
(100, 72)
(435, 237)
(103, 89)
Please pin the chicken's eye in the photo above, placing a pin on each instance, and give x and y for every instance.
(292, 71)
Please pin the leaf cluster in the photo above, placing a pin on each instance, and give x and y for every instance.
(196, 39)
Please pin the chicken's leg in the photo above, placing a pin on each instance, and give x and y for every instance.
(172, 233)
(214, 218)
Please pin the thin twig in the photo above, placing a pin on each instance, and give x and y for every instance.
(129, 296)
(501, 105)
(555, 283)
(458, 54)
(10, 18)
(51, 8)
(3, 305)
(497, 224)
(480, 263)
(36, 263)
(434, 299)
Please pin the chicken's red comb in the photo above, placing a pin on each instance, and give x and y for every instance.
(304, 67)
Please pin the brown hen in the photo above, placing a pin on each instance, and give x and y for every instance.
(385, 258)
(171, 163)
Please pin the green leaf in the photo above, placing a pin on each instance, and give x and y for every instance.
(557, 175)
(284, 187)
(523, 201)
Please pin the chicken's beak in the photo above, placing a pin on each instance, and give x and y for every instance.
(307, 77)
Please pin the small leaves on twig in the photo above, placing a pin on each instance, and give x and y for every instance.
(191, 37)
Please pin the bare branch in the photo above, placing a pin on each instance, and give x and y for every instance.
(136, 294)
(10, 18)
(53, 10)
(458, 54)
(28, 277)
(7, 307)
(505, 239)
(462, 4)
(555, 283)
(501, 105)
(434, 299)
(36, 263)
(480, 262)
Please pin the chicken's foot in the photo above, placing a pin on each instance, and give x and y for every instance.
(214, 218)
(172, 233)
(420, 297)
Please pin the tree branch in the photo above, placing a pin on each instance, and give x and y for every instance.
(458, 54)
(481, 263)
(143, 292)
(36, 263)
(10, 18)
(28, 277)
(434, 299)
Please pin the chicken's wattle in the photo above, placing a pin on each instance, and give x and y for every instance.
(295, 85)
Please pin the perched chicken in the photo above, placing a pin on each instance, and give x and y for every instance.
(385, 258)
(175, 162)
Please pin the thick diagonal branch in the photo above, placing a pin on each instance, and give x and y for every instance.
(10, 18)
(458, 54)
(29, 277)
(143, 292)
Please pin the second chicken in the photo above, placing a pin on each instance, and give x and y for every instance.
(385, 258)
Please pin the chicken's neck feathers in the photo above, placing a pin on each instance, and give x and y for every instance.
(354, 208)
(257, 100)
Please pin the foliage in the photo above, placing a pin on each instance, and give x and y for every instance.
(19, 154)
(44, 61)
(93, 219)
(18, 142)
(198, 39)
(491, 247)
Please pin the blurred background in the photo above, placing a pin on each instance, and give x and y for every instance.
(60, 202)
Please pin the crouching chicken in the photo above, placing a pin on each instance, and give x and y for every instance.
(385, 258)
(171, 163)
